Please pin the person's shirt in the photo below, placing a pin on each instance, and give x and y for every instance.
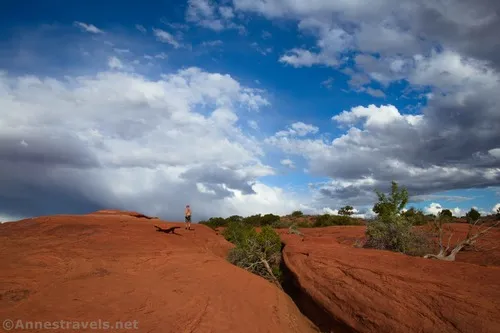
(188, 212)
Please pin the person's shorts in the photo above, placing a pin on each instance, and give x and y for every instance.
(187, 218)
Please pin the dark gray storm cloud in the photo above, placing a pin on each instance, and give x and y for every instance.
(39, 174)
(45, 148)
(471, 27)
(42, 188)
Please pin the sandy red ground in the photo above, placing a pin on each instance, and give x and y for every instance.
(381, 291)
(116, 267)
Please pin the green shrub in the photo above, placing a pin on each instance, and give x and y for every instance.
(207, 224)
(215, 222)
(282, 224)
(259, 253)
(420, 243)
(269, 219)
(259, 220)
(252, 220)
(234, 218)
(415, 217)
(393, 230)
(237, 232)
(473, 215)
(396, 235)
(322, 221)
(327, 220)
(392, 204)
(445, 213)
(388, 236)
(297, 213)
(304, 224)
(344, 220)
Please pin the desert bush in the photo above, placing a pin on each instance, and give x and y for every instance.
(214, 222)
(252, 220)
(269, 219)
(415, 217)
(297, 213)
(280, 224)
(327, 220)
(472, 216)
(237, 232)
(204, 222)
(498, 213)
(304, 224)
(410, 212)
(322, 221)
(393, 230)
(420, 243)
(391, 235)
(344, 220)
(259, 220)
(418, 220)
(445, 213)
(258, 253)
(233, 218)
(396, 234)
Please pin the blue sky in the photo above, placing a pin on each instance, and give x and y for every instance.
(363, 96)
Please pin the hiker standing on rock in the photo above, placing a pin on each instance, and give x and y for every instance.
(187, 217)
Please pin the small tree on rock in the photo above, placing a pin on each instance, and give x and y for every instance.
(391, 230)
(391, 205)
(346, 211)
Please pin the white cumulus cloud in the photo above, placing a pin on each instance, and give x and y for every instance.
(121, 140)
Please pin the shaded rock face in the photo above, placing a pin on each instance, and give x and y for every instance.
(116, 267)
(364, 290)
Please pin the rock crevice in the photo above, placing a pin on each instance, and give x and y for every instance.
(345, 289)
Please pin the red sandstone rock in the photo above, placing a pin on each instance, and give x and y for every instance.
(365, 290)
(114, 212)
(115, 267)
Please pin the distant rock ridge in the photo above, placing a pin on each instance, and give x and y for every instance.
(122, 212)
